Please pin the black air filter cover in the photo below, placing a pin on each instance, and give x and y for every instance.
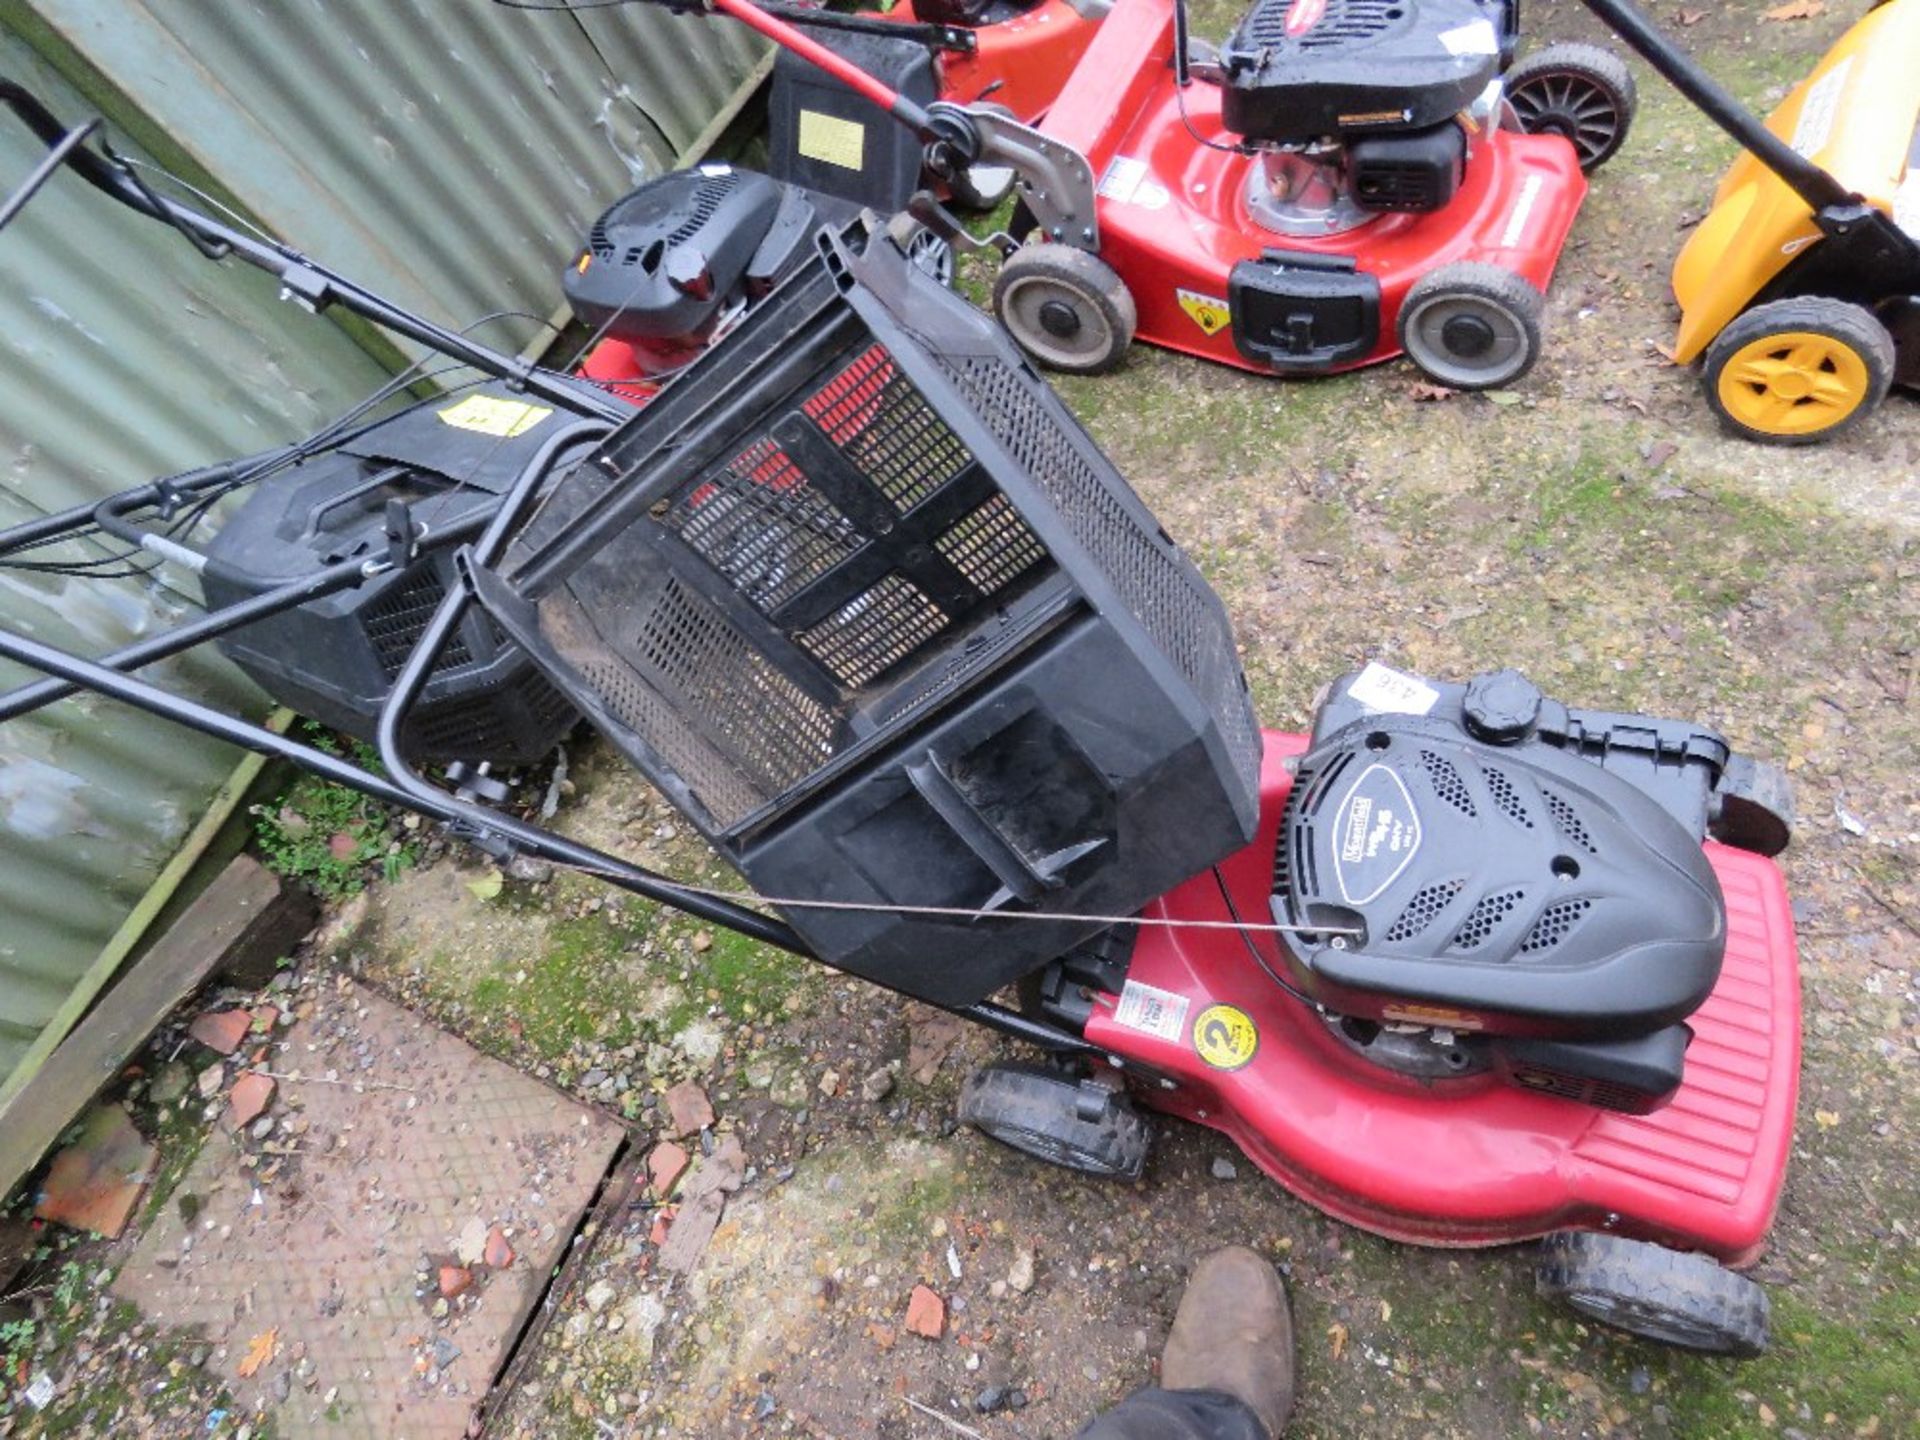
(1520, 888)
(669, 261)
(1306, 69)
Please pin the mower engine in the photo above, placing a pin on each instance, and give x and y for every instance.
(669, 267)
(1521, 887)
(1355, 104)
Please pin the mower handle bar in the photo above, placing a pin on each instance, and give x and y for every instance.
(302, 279)
(1816, 186)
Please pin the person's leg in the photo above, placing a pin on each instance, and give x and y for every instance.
(1155, 1414)
(1227, 1373)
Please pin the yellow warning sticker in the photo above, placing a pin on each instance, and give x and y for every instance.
(1209, 314)
(832, 140)
(1225, 1037)
(490, 415)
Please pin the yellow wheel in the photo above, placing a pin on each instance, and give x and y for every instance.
(1796, 372)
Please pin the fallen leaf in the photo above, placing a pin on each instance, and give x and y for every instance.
(1421, 391)
(260, 1351)
(1501, 397)
(1338, 1334)
(1826, 1119)
(1662, 351)
(1386, 1312)
(487, 885)
(1690, 18)
(1795, 10)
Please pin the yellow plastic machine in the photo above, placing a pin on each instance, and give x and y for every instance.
(1800, 291)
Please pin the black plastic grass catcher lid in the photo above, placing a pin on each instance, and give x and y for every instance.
(860, 595)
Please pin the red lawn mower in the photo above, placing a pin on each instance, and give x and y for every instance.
(1342, 181)
(1464, 966)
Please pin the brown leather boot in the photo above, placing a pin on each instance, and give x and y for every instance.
(1233, 1332)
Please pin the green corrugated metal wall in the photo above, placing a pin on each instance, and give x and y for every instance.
(450, 152)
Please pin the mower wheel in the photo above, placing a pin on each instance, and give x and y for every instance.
(1577, 91)
(1753, 807)
(981, 188)
(1065, 307)
(1472, 326)
(932, 253)
(1799, 371)
(1080, 1124)
(1653, 1292)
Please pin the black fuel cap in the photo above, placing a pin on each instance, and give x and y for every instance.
(1501, 706)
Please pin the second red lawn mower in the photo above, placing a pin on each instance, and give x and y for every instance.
(1342, 182)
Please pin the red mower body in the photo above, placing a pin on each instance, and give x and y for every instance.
(1477, 1161)
(1174, 218)
(1020, 62)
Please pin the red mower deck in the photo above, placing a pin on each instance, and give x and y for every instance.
(1173, 213)
(1477, 1161)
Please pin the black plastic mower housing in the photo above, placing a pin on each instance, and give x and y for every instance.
(1300, 70)
(335, 659)
(1512, 867)
(823, 135)
(670, 261)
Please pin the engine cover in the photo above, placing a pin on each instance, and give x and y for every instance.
(1520, 888)
(666, 264)
(1301, 70)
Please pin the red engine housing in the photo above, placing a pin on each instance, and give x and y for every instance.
(1174, 219)
(1477, 1161)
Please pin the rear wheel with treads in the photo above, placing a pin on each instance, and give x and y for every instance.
(1579, 92)
(1796, 372)
(1080, 1124)
(1656, 1293)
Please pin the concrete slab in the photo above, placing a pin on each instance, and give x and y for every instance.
(392, 1139)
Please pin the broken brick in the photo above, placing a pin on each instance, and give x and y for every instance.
(221, 1030)
(455, 1281)
(498, 1254)
(688, 1108)
(665, 1164)
(662, 1223)
(248, 1097)
(926, 1313)
(95, 1182)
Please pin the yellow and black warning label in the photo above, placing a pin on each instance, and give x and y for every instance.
(832, 140)
(1225, 1037)
(490, 415)
(1210, 314)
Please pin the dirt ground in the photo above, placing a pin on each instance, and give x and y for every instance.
(1593, 529)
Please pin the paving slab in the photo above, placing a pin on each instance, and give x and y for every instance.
(393, 1139)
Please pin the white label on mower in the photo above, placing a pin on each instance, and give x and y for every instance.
(1522, 212)
(1159, 1013)
(1387, 691)
(1122, 179)
(1906, 204)
(1476, 37)
(1817, 112)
